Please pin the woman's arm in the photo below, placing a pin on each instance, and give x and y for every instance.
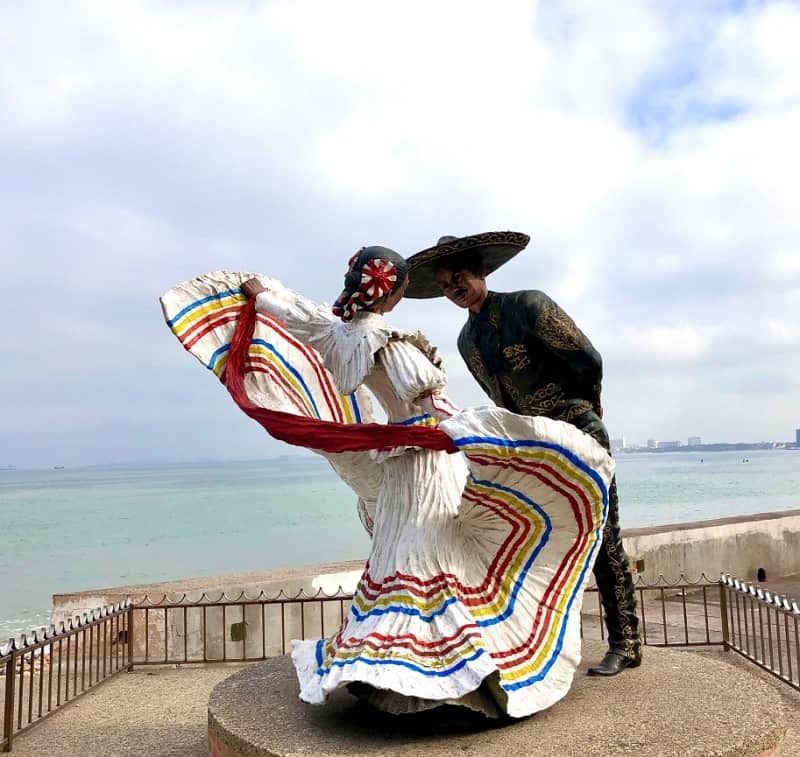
(438, 405)
(415, 378)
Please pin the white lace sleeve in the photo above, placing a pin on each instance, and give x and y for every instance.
(303, 318)
(347, 349)
(410, 371)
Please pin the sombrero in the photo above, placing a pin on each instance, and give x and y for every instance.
(495, 248)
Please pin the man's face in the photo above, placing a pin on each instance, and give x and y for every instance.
(461, 287)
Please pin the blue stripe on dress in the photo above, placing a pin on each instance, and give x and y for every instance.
(198, 303)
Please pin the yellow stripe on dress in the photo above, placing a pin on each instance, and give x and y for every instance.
(198, 313)
(257, 350)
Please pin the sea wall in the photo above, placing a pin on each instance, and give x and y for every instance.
(739, 546)
(327, 577)
(239, 630)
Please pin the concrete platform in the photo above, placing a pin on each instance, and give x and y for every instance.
(674, 704)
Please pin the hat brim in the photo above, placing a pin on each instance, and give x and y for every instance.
(495, 247)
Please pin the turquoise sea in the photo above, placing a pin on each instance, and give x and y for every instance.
(84, 528)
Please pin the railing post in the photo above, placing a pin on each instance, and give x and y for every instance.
(130, 637)
(723, 608)
(8, 709)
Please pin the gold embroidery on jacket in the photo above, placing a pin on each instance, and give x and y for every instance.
(475, 362)
(478, 369)
(556, 329)
(573, 411)
(542, 402)
(517, 355)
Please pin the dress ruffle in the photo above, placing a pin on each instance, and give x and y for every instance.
(498, 589)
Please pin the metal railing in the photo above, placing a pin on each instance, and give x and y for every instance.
(680, 613)
(55, 666)
(763, 627)
(242, 628)
(230, 629)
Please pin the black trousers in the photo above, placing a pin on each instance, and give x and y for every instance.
(612, 571)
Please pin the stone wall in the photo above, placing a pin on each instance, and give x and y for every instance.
(187, 633)
(739, 546)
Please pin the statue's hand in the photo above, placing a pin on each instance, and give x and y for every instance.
(252, 287)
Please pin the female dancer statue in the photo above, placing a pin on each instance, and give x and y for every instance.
(472, 591)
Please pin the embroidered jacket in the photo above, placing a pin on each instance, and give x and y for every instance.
(531, 358)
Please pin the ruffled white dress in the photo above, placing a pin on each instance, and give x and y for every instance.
(474, 583)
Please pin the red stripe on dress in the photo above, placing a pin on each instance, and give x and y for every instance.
(275, 374)
(409, 580)
(409, 583)
(565, 569)
(313, 358)
(221, 316)
(410, 641)
(542, 621)
(209, 326)
(212, 315)
(526, 466)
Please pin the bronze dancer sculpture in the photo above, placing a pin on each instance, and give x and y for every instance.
(485, 524)
(528, 355)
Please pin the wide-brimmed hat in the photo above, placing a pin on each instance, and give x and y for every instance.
(494, 247)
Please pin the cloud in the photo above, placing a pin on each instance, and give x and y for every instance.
(782, 332)
(673, 345)
(649, 151)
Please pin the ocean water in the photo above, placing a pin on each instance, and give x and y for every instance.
(86, 528)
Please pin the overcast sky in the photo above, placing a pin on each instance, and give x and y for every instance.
(650, 151)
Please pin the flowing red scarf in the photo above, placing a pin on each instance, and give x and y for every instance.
(328, 436)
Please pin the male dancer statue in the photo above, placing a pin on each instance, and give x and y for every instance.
(530, 357)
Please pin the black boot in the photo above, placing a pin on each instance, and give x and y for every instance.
(615, 583)
(615, 661)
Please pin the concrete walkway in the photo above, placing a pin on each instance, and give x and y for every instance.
(163, 711)
(151, 711)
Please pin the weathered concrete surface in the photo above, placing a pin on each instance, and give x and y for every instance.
(675, 704)
(739, 546)
(160, 712)
(163, 711)
(789, 696)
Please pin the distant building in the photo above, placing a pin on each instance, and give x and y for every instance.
(669, 445)
(797, 436)
(618, 444)
(694, 441)
(652, 444)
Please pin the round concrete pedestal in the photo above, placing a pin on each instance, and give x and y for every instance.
(676, 703)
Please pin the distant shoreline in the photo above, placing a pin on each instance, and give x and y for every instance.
(154, 464)
(311, 458)
(727, 447)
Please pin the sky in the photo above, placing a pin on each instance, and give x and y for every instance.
(650, 151)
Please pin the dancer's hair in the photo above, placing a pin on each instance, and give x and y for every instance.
(373, 273)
